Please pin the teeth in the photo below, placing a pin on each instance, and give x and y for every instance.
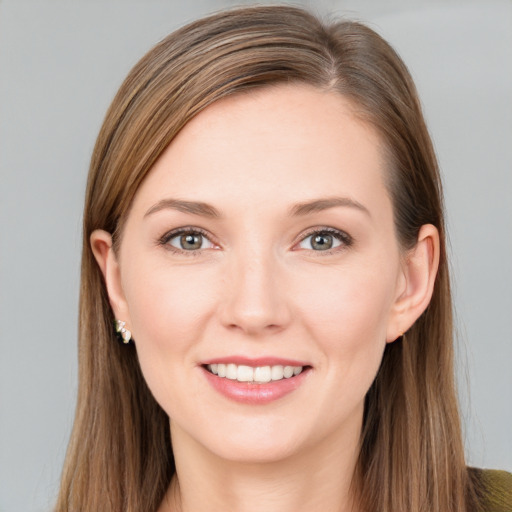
(261, 374)
(231, 371)
(245, 374)
(277, 372)
(288, 371)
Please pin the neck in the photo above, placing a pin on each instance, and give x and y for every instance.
(320, 478)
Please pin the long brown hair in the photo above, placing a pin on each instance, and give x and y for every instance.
(120, 455)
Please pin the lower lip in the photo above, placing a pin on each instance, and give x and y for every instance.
(252, 393)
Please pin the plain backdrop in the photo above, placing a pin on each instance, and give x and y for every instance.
(60, 65)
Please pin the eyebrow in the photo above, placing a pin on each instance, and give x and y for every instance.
(319, 205)
(298, 210)
(194, 207)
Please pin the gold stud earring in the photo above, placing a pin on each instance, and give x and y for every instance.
(125, 334)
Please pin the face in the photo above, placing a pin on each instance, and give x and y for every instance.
(261, 245)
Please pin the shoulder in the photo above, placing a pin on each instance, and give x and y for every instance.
(497, 490)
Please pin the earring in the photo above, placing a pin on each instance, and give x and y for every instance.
(123, 331)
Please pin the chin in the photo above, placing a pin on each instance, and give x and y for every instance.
(249, 441)
(251, 452)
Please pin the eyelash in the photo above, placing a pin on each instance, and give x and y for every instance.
(345, 239)
(165, 239)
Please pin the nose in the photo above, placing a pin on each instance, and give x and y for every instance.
(254, 299)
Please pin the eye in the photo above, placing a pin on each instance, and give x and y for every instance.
(189, 240)
(325, 240)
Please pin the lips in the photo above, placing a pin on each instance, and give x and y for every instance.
(255, 381)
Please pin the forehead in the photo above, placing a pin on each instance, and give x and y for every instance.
(278, 144)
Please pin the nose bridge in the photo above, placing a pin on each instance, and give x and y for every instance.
(255, 301)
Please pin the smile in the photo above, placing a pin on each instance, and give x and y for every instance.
(258, 374)
(255, 381)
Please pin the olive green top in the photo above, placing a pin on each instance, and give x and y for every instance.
(498, 490)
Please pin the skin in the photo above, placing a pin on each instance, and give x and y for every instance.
(258, 287)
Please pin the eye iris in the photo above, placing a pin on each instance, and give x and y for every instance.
(321, 242)
(191, 241)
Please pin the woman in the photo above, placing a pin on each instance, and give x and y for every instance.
(263, 225)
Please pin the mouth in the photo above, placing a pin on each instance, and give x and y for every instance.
(255, 381)
(256, 375)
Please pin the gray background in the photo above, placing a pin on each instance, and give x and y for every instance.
(60, 65)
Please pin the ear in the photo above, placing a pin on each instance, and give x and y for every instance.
(419, 270)
(101, 245)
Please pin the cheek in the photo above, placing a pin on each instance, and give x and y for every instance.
(168, 305)
(168, 309)
(346, 313)
(349, 306)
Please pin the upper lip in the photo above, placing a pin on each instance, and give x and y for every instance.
(255, 362)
